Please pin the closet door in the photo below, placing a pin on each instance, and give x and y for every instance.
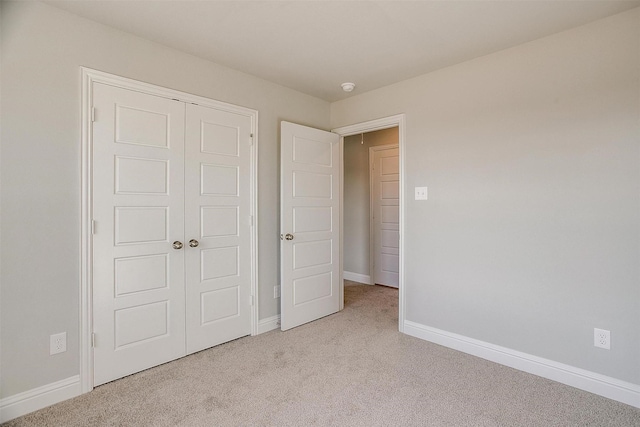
(138, 209)
(218, 226)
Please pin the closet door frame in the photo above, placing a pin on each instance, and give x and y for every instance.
(89, 77)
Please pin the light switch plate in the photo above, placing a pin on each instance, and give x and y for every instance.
(421, 193)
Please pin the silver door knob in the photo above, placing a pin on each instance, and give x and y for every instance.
(193, 243)
(177, 245)
(288, 236)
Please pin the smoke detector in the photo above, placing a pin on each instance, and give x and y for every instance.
(348, 87)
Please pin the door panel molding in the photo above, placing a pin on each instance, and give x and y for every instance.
(89, 77)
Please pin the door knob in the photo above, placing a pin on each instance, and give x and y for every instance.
(193, 243)
(177, 245)
(288, 236)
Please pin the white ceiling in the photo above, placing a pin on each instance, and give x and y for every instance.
(314, 46)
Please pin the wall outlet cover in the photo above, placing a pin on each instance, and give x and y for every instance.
(58, 343)
(602, 338)
(421, 193)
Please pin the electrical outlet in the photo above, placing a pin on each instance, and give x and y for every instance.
(421, 193)
(602, 338)
(58, 343)
(276, 291)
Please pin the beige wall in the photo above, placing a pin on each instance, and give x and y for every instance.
(356, 197)
(42, 51)
(530, 237)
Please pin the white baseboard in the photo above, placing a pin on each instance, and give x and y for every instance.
(23, 403)
(592, 382)
(269, 324)
(356, 277)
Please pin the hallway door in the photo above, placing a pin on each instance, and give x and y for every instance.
(385, 214)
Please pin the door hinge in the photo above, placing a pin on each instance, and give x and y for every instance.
(93, 114)
(250, 139)
(93, 226)
(252, 300)
(93, 340)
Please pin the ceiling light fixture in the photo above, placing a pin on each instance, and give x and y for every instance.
(348, 87)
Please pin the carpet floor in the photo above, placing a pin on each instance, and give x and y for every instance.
(350, 369)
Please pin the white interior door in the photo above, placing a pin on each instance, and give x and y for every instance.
(138, 277)
(218, 226)
(310, 224)
(172, 259)
(385, 214)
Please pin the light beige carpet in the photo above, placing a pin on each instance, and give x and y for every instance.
(349, 369)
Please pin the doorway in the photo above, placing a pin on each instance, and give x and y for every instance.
(371, 207)
(312, 183)
(393, 124)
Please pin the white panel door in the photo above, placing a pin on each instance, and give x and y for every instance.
(310, 215)
(138, 209)
(172, 260)
(218, 226)
(385, 209)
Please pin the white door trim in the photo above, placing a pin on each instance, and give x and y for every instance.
(89, 77)
(370, 126)
(372, 256)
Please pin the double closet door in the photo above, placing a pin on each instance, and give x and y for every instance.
(172, 229)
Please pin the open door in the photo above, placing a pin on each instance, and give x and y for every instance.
(309, 223)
